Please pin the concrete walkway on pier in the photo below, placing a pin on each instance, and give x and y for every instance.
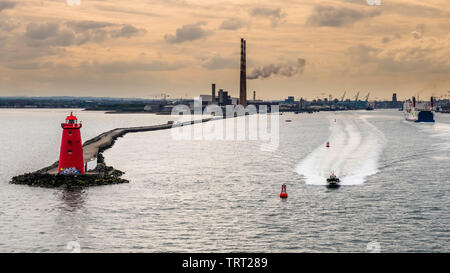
(98, 144)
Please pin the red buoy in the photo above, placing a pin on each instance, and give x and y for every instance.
(71, 154)
(283, 193)
(328, 144)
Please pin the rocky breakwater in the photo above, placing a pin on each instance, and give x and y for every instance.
(101, 175)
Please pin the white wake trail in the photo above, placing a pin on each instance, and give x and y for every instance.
(355, 148)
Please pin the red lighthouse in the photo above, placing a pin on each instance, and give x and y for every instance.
(71, 154)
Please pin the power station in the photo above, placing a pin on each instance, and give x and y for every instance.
(222, 98)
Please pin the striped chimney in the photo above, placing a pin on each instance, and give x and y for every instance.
(243, 75)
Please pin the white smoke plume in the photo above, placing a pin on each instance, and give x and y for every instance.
(277, 69)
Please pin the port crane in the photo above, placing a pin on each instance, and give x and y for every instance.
(367, 97)
(357, 96)
(343, 96)
(164, 96)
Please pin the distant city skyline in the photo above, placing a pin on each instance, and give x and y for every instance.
(308, 49)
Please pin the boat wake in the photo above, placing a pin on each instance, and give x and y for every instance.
(355, 147)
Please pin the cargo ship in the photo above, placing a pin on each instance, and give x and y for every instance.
(418, 111)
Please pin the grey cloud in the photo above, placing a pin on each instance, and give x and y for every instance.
(41, 31)
(232, 24)
(127, 31)
(82, 26)
(189, 32)
(20, 50)
(48, 34)
(98, 31)
(419, 32)
(388, 39)
(64, 38)
(331, 16)
(92, 35)
(7, 5)
(278, 69)
(77, 33)
(274, 14)
(218, 62)
(385, 40)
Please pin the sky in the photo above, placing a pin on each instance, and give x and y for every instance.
(300, 48)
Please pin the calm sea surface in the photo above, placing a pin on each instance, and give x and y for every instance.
(223, 196)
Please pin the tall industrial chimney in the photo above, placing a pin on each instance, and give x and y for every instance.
(254, 95)
(213, 93)
(243, 80)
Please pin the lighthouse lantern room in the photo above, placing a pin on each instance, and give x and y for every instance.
(71, 154)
